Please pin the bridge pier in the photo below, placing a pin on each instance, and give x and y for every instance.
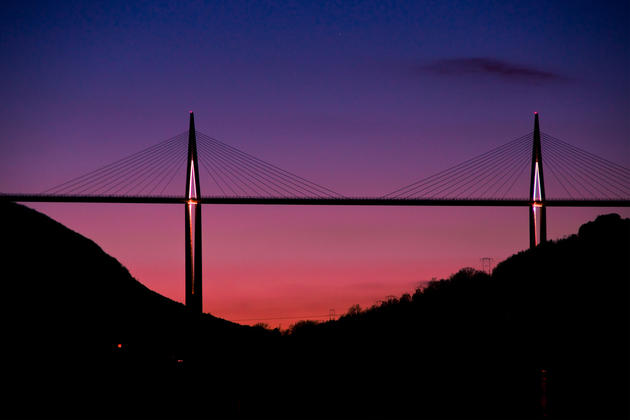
(538, 211)
(192, 228)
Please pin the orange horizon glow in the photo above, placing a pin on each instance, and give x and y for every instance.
(279, 265)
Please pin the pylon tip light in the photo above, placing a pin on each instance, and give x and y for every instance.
(535, 112)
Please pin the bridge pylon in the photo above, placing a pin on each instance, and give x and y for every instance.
(193, 225)
(538, 211)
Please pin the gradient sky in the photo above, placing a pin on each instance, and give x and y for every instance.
(362, 97)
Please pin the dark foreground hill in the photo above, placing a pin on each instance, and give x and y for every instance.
(545, 335)
(83, 338)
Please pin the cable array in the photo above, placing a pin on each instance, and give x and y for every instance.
(231, 173)
(582, 174)
(149, 171)
(490, 175)
(570, 172)
(237, 173)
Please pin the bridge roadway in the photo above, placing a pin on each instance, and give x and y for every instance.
(315, 201)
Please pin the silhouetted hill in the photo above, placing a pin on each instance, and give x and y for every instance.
(56, 276)
(76, 320)
(545, 335)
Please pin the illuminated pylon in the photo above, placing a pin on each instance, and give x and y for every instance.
(538, 212)
(193, 229)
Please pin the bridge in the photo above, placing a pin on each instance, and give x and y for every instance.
(236, 177)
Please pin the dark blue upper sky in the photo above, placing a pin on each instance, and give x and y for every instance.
(362, 97)
(335, 78)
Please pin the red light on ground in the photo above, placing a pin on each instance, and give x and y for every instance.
(119, 346)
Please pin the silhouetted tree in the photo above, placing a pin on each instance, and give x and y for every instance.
(354, 310)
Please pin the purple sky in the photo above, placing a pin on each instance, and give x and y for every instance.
(362, 97)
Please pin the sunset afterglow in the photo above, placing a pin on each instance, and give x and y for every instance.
(361, 99)
(377, 210)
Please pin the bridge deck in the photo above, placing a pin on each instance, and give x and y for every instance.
(315, 201)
